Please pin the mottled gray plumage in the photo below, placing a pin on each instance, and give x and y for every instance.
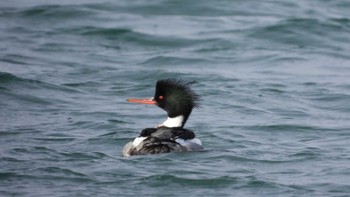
(161, 140)
(153, 145)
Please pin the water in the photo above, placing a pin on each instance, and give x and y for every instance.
(273, 76)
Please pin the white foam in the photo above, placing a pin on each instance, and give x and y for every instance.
(191, 145)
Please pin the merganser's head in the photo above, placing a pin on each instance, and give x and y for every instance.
(176, 98)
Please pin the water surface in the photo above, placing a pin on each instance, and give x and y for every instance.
(274, 81)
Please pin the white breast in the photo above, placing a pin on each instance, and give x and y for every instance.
(173, 122)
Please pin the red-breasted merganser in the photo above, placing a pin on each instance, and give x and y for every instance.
(177, 99)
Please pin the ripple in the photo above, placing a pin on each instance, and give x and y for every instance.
(61, 12)
(303, 32)
(130, 36)
(79, 156)
(63, 171)
(309, 152)
(55, 139)
(286, 127)
(273, 78)
(6, 175)
(162, 60)
(203, 182)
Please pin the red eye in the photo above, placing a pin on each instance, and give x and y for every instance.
(160, 97)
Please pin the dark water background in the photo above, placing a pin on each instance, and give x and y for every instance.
(274, 78)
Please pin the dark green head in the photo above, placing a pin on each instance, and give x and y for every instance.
(176, 97)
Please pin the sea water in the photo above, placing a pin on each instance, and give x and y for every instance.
(273, 77)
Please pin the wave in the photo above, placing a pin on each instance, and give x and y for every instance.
(57, 12)
(124, 35)
(7, 79)
(164, 60)
(186, 181)
(15, 90)
(306, 32)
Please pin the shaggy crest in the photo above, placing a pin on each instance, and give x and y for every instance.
(176, 97)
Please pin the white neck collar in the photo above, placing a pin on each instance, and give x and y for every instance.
(173, 122)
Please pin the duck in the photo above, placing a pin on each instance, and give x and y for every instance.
(177, 99)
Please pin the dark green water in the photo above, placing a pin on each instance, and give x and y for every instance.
(274, 78)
